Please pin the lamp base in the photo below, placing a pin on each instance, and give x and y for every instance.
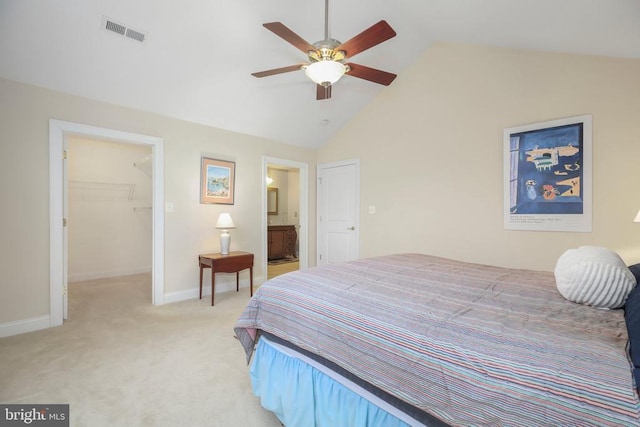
(225, 242)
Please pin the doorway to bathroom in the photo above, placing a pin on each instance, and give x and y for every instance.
(285, 216)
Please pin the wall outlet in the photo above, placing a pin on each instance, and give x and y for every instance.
(372, 209)
(168, 207)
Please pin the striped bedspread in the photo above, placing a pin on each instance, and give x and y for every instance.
(473, 345)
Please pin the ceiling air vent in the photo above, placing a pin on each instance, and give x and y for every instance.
(120, 29)
(136, 35)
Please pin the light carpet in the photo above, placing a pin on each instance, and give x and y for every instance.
(120, 361)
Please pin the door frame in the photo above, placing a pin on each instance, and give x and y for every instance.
(58, 132)
(303, 231)
(320, 225)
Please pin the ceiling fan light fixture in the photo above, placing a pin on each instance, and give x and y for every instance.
(325, 73)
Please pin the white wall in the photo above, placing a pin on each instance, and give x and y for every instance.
(293, 197)
(430, 150)
(189, 230)
(109, 220)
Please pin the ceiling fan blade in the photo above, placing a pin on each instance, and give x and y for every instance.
(279, 29)
(268, 73)
(371, 74)
(374, 35)
(323, 92)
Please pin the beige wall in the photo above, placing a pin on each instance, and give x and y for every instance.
(24, 179)
(430, 148)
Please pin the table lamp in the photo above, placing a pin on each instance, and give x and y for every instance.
(225, 223)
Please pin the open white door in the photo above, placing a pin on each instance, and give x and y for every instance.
(65, 228)
(338, 212)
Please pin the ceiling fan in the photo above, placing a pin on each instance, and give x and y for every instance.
(326, 57)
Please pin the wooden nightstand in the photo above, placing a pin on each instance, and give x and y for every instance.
(235, 262)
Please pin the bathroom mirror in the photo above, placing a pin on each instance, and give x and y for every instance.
(272, 201)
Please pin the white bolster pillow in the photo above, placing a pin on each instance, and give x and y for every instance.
(594, 276)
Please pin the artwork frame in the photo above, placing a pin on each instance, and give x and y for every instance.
(217, 181)
(548, 175)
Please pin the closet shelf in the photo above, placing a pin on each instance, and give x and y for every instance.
(100, 191)
(145, 165)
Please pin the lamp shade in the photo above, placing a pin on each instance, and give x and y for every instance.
(225, 221)
(637, 218)
(326, 72)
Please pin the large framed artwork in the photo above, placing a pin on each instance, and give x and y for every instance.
(217, 181)
(547, 176)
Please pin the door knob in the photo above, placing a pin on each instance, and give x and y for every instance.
(351, 228)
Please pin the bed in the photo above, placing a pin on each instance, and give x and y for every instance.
(412, 339)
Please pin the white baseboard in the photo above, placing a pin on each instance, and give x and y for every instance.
(221, 286)
(104, 274)
(43, 322)
(23, 326)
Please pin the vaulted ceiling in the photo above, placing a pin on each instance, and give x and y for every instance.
(197, 56)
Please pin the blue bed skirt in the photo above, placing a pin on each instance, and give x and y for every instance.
(302, 396)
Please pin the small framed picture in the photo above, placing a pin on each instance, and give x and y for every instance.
(217, 181)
